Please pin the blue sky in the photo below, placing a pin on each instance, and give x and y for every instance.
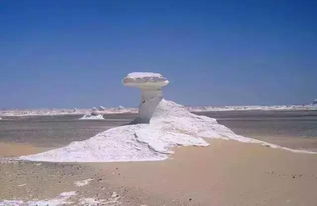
(75, 53)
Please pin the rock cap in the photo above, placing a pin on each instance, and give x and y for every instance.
(145, 80)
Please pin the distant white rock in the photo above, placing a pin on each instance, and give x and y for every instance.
(117, 110)
(101, 108)
(42, 112)
(315, 102)
(253, 108)
(92, 117)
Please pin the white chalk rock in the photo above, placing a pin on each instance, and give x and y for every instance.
(92, 117)
(151, 87)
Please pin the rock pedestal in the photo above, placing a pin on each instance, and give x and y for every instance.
(151, 91)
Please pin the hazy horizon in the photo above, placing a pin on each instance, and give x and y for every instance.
(65, 54)
(135, 105)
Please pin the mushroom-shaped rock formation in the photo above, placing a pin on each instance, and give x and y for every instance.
(170, 125)
(151, 87)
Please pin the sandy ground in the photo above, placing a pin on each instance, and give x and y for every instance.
(298, 143)
(18, 149)
(225, 173)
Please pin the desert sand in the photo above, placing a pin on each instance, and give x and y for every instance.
(224, 173)
(18, 149)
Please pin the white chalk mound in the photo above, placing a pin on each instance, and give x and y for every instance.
(171, 125)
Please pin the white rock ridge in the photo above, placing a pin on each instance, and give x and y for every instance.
(168, 127)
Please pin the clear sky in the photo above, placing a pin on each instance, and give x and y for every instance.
(74, 53)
